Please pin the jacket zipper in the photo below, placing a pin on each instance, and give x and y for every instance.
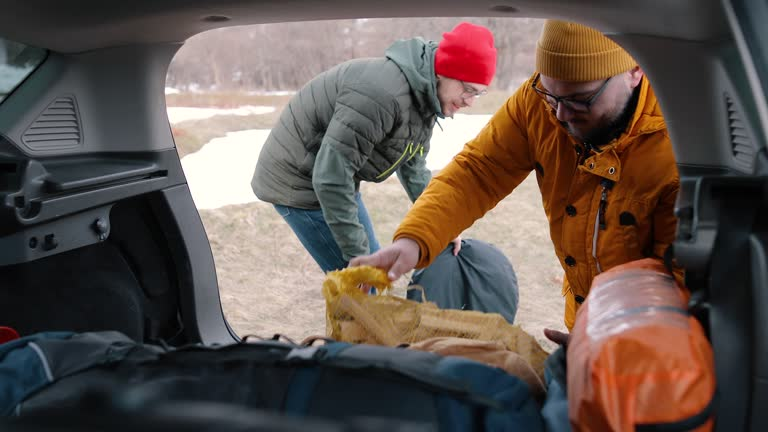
(600, 219)
(409, 150)
(419, 149)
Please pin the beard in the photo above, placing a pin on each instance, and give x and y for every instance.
(611, 125)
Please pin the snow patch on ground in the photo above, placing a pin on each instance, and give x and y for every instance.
(220, 172)
(180, 114)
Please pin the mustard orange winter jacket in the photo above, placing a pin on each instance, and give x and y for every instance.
(604, 208)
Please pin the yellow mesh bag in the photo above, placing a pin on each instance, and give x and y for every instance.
(383, 319)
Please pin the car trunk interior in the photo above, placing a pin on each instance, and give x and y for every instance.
(102, 233)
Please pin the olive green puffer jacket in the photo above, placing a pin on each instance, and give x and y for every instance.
(362, 120)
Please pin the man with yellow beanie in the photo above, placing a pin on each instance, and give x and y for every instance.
(589, 124)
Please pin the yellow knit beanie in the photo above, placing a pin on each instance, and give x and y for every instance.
(572, 52)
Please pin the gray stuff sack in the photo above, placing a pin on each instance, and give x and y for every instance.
(480, 278)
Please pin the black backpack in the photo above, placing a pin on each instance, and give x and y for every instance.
(336, 381)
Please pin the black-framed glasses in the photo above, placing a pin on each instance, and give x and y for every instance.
(471, 92)
(578, 105)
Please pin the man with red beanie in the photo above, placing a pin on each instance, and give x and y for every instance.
(589, 125)
(364, 120)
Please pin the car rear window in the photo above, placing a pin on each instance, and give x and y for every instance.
(17, 61)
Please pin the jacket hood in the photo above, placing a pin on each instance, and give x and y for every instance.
(647, 117)
(416, 59)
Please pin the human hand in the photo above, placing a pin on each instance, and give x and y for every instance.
(456, 245)
(397, 259)
(557, 337)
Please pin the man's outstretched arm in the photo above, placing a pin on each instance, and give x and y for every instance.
(397, 259)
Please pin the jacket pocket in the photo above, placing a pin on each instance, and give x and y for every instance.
(307, 165)
(407, 154)
(636, 223)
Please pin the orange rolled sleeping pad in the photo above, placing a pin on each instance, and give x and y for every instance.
(636, 357)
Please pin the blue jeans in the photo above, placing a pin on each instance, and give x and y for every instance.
(315, 234)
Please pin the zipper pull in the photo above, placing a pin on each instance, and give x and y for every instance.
(580, 154)
(601, 210)
(607, 185)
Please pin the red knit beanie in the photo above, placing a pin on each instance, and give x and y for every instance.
(467, 53)
(7, 334)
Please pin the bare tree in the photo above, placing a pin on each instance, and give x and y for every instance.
(285, 56)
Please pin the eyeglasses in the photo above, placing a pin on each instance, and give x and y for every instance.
(471, 92)
(572, 104)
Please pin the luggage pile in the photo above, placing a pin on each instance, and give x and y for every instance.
(365, 385)
(636, 360)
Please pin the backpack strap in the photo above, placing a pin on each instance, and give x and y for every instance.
(303, 383)
(85, 350)
(31, 363)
